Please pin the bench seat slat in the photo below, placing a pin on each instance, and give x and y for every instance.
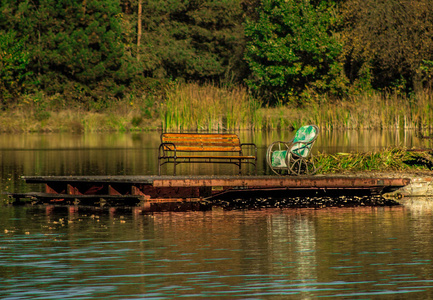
(204, 141)
(197, 147)
(217, 157)
(199, 135)
(216, 143)
(203, 149)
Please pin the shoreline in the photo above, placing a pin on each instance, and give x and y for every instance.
(207, 108)
(13, 121)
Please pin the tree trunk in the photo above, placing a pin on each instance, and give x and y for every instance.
(417, 81)
(140, 9)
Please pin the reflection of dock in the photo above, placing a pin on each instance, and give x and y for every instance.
(147, 190)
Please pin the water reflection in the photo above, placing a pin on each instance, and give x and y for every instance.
(136, 153)
(351, 140)
(328, 141)
(418, 205)
(54, 253)
(69, 252)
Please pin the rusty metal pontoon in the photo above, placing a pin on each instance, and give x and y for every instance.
(145, 190)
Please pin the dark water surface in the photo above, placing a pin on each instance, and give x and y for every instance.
(73, 253)
(349, 253)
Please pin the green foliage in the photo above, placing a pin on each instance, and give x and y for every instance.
(84, 46)
(393, 159)
(427, 70)
(14, 60)
(291, 47)
(287, 51)
(193, 40)
(392, 38)
(70, 44)
(37, 106)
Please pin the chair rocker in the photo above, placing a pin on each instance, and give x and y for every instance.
(294, 157)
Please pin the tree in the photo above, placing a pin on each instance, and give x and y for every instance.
(196, 40)
(14, 60)
(388, 42)
(81, 42)
(292, 48)
(75, 46)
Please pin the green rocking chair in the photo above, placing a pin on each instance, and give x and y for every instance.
(294, 157)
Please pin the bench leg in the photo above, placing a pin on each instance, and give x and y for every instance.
(240, 167)
(174, 167)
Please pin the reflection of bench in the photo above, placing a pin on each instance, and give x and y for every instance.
(179, 148)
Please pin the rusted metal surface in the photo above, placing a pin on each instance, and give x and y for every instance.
(90, 179)
(281, 182)
(142, 190)
(91, 185)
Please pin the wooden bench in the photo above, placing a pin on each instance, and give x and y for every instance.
(180, 148)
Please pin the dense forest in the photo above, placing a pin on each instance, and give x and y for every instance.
(92, 51)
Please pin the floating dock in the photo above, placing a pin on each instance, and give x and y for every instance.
(144, 191)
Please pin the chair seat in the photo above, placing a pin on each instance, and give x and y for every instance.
(279, 159)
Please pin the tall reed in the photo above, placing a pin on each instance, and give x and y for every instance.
(208, 108)
(371, 110)
(184, 107)
(368, 111)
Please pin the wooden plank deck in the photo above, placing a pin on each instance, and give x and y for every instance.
(143, 190)
(289, 181)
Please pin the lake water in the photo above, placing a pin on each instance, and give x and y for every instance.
(76, 253)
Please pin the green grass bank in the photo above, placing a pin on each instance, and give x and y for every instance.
(386, 160)
(193, 107)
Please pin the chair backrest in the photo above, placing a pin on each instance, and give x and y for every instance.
(304, 140)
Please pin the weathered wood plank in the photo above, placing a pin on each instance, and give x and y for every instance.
(202, 148)
(210, 145)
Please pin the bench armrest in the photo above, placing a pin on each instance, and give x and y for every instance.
(162, 149)
(250, 145)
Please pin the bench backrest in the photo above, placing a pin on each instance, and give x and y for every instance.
(197, 142)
